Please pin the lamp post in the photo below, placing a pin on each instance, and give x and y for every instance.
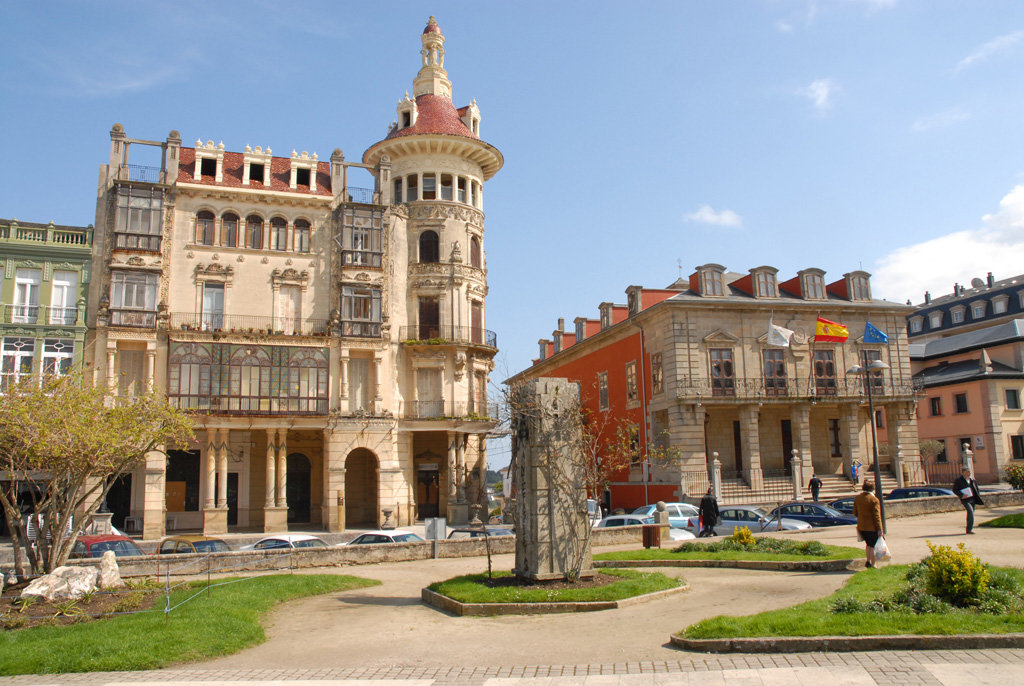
(866, 371)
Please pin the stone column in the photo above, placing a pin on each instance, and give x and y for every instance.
(751, 440)
(482, 474)
(215, 515)
(850, 421)
(376, 379)
(800, 417)
(275, 511)
(282, 468)
(460, 468)
(798, 475)
(716, 476)
(112, 368)
(222, 469)
(154, 496)
(689, 438)
(344, 379)
(271, 471)
(452, 492)
(210, 458)
(903, 437)
(150, 367)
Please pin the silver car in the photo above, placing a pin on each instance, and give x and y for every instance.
(754, 518)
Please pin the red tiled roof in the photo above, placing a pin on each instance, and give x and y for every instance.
(280, 174)
(435, 114)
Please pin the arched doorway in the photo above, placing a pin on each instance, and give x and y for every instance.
(361, 489)
(298, 488)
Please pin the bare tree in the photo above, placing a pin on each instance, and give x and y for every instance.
(62, 444)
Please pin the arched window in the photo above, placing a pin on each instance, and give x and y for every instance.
(475, 257)
(301, 235)
(229, 230)
(254, 232)
(204, 228)
(429, 247)
(278, 233)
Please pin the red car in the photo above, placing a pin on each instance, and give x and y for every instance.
(95, 546)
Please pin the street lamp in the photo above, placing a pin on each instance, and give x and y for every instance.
(867, 370)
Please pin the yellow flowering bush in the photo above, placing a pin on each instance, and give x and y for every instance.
(741, 535)
(957, 576)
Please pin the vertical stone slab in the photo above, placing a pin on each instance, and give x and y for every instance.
(552, 527)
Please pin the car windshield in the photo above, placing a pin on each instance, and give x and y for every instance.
(642, 510)
(309, 543)
(213, 546)
(759, 511)
(406, 538)
(828, 510)
(120, 548)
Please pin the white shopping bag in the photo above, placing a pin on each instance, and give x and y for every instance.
(882, 553)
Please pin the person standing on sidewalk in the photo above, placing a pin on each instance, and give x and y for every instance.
(815, 485)
(708, 514)
(966, 489)
(868, 512)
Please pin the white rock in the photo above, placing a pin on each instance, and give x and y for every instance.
(64, 582)
(110, 575)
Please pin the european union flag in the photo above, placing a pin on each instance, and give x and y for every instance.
(873, 335)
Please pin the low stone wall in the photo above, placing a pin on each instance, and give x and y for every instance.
(814, 644)
(911, 507)
(336, 556)
(460, 609)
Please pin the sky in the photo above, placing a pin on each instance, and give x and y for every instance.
(640, 139)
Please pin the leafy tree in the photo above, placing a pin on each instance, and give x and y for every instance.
(64, 442)
(931, 448)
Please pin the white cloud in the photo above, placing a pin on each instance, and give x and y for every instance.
(706, 215)
(784, 26)
(937, 264)
(940, 120)
(821, 93)
(993, 47)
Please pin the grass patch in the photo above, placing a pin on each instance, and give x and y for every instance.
(224, 623)
(472, 588)
(814, 618)
(1011, 521)
(763, 548)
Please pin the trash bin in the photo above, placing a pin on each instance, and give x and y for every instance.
(651, 535)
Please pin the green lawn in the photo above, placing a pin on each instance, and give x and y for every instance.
(222, 624)
(814, 619)
(1012, 521)
(835, 552)
(470, 589)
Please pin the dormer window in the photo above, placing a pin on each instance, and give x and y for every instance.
(406, 119)
(859, 286)
(765, 283)
(711, 281)
(581, 329)
(956, 314)
(999, 304)
(813, 286)
(915, 324)
(543, 345)
(304, 168)
(209, 161)
(977, 310)
(606, 316)
(256, 166)
(302, 177)
(557, 336)
(208, 167)
(935, 320)
(633, 299)
(256, 172)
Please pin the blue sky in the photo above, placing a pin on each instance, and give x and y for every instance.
(882, 134)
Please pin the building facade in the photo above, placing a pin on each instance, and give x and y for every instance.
(328, 332)
(44, 275)
(967, 351)
(692, 368)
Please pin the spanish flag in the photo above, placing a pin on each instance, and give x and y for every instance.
(829, 332)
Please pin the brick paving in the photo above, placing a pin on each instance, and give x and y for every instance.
(1002, 667)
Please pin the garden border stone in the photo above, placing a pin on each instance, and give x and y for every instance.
(460, 609)
(844, 565)
(808, 644)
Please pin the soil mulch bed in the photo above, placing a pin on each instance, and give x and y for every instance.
(16, 614)
(596, 581)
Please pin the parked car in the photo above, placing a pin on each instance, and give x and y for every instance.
(754, 518)
(917, 492)
(636, 520)
(462, 533)
(96, 545)
(281, 541)
(844, 505)
(815, 514)
(191, 543)
(387, 536)
(678, 513)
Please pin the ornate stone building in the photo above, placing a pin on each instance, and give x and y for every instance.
(690, 366)
(330, 337)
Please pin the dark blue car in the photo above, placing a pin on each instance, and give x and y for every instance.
(917, 492)
(815, 514)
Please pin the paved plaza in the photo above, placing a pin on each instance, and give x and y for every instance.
(384, 632)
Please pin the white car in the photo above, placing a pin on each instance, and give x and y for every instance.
(385, 536)
(674, 534)
(281, 541)
(754, 518)
(678, 513)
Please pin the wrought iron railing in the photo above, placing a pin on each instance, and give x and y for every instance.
(941, 473)
(61, 316)
(448, 409)
(139, 172)
(241, 323)
(433, 334)
(249, 405)
(21, 314)
(143, 319)
(360, 195)
(760, 388)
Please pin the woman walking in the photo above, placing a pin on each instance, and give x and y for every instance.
(868, 512)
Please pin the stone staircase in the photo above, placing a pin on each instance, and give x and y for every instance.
(780, 488)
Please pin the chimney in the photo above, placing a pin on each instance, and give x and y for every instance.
(956, 289)
(990, 280)
(927, 297)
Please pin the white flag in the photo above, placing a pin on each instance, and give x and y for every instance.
(778, 335)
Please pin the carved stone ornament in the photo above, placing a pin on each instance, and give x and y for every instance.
(265, 260)
(446, 212)
(362, 276)
(289, 277)
(240, 258)
(190, 255)
(136, 261)
(216, 257)
(214, 272)
(460, 366)
(456, 257)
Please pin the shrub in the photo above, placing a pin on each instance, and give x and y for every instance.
(1015, 476)
(742, 536)
(956, 576)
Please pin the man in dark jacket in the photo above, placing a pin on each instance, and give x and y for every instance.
(966, 489)
(708, 514)
(815, 486)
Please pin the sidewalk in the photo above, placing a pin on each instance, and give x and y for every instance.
(385, 632)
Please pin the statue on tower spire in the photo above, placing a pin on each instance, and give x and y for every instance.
(432, 79)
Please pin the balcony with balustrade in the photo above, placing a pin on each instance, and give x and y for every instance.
(219, 323)
(450, 410)
(48, 315)
(435, 334)
(30, 235)
(726, 390)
